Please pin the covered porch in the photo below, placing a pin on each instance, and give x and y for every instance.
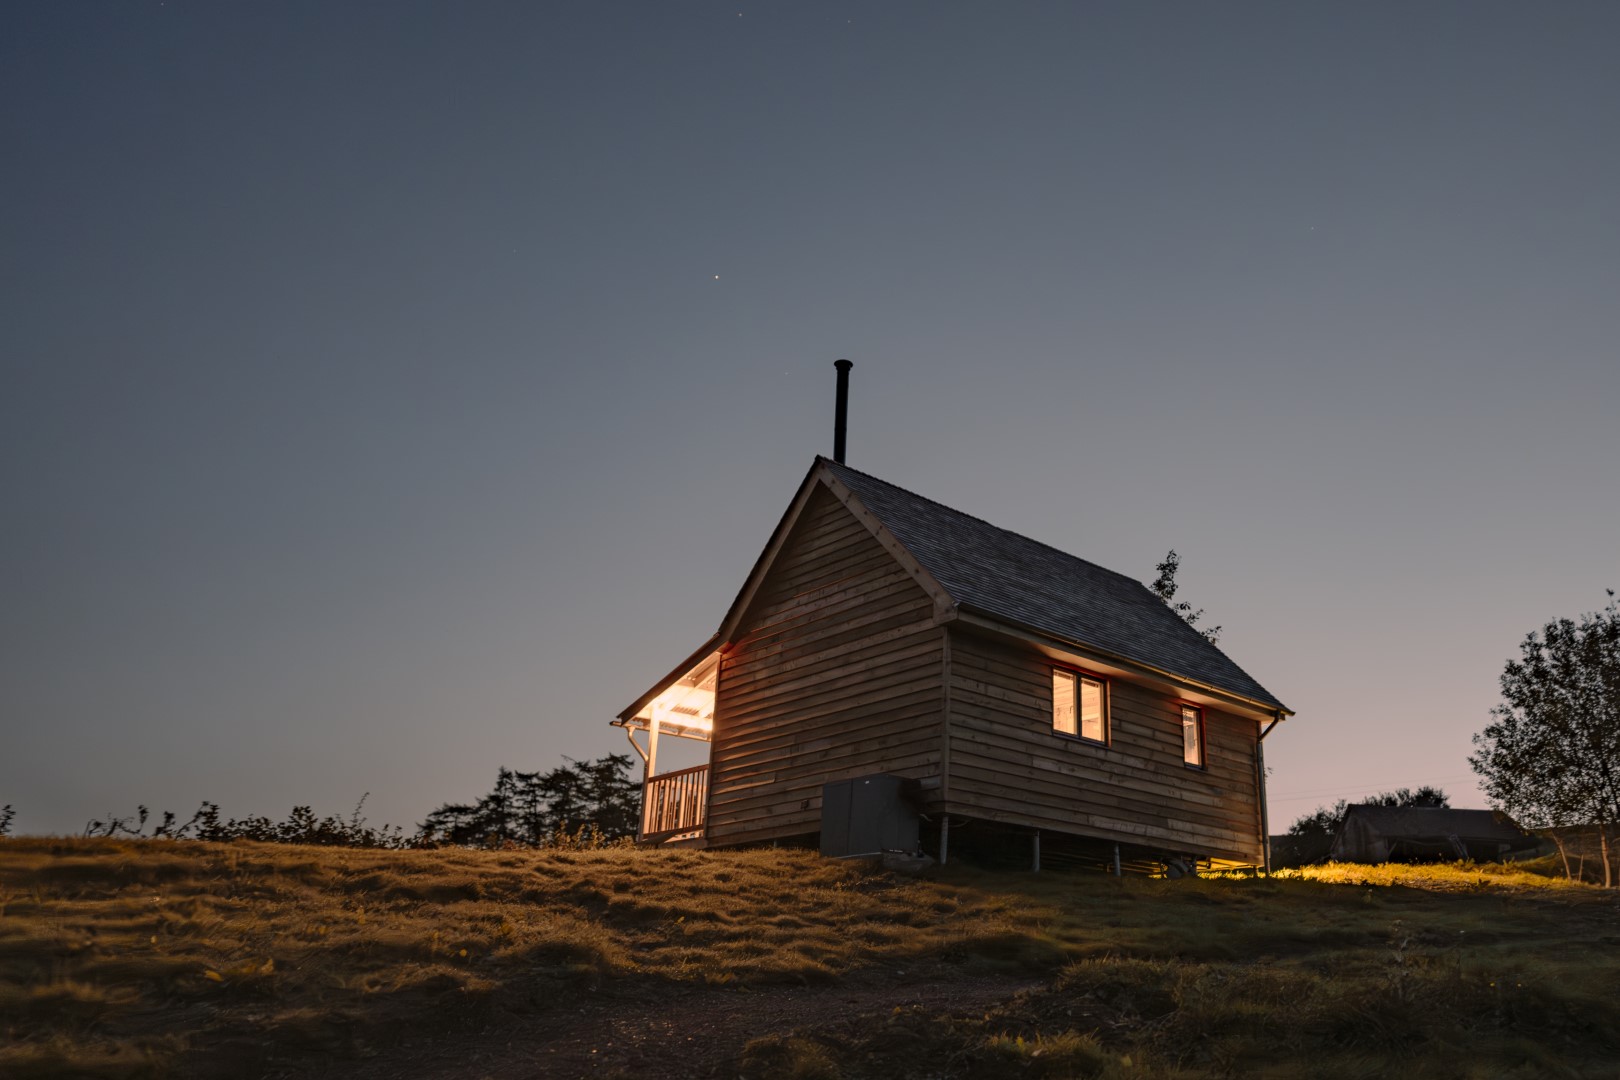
(674, 801)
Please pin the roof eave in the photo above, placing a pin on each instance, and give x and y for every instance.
(991, 621)
(762, 565)
(669, 680)
(745, 595)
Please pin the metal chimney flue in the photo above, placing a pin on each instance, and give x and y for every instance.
(841, 418)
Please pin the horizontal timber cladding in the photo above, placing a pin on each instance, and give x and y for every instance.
(834, 672)
(1008, 765)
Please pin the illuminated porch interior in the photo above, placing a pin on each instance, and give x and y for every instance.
(675, 775)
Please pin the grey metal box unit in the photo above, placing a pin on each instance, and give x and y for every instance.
(868, 815)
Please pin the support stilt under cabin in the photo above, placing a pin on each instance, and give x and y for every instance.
(1042, 712)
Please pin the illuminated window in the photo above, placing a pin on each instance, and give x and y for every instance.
(1077, 706)
(1192, 736)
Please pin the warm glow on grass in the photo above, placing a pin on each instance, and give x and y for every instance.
(1538, 874)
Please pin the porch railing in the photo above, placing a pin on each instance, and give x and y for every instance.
(673, 803)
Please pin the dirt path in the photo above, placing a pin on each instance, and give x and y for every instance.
(694, 1033)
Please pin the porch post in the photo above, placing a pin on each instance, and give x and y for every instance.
(652, 768)
(652, 742)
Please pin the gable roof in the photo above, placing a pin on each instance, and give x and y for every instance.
(1015, 579)
(971, 565)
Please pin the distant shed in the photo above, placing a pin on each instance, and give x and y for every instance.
(1377, 834)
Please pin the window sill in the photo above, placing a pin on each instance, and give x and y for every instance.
(1066, 737)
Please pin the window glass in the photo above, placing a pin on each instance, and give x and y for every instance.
(1079, 706)
(1192, 735)
(1063, 702)
(1091, 710)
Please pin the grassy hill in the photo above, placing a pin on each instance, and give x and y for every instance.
(151, 958)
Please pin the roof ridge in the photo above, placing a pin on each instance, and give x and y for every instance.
(987, 524)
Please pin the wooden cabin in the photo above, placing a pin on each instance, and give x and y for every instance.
(1021, 692)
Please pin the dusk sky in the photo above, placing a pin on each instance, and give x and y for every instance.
(393, 392)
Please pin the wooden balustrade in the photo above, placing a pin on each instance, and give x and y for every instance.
(674, 803)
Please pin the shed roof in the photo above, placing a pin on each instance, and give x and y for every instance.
(1420, 822)
(1013, 578)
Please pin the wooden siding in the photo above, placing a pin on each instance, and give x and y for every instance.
(834, 672)
(1007, 764)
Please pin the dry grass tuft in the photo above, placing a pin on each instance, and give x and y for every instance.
(1066, 1054)
(788, 1058)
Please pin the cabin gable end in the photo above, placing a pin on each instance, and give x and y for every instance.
(831, 670)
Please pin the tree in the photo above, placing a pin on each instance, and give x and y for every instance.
(1164, 587)
(1325, 820)
(1552, 756)
(612, 795)
(532, 807)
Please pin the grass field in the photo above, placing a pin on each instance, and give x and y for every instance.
(151, 958)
